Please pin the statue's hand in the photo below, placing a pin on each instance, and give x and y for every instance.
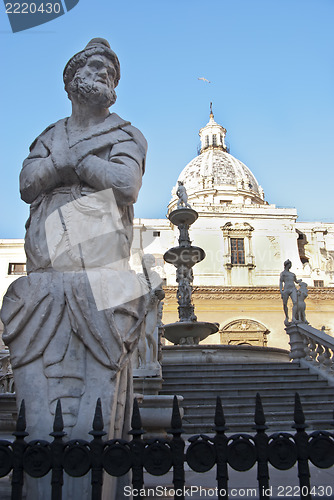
(63, 158)
(85, 162)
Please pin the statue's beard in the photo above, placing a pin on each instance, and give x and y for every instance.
(87, 93)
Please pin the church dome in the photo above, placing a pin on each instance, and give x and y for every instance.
(215, 170)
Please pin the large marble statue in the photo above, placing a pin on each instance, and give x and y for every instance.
(288, 289)
(73, 322)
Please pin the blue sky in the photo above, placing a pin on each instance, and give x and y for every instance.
(271, 64)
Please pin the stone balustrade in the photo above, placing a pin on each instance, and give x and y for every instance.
(312, 348)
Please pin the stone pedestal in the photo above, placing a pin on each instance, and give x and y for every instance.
(156, 414)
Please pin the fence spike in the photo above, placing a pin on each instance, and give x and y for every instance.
(299, 416)
(219, 416)
(136, 425)
(20, 429)
(259, 417)
(98, 423)
(136, 418)
(98, 417)
(21, 419)
(58, 423)
(176, 422)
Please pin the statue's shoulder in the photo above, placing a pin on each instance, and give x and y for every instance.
(135, 133)
(46, 135)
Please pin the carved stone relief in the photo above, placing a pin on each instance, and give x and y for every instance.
(244, 331)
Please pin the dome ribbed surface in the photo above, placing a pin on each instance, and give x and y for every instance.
(220, 167)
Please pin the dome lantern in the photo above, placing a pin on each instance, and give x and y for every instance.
(212, 135)
(215, 178)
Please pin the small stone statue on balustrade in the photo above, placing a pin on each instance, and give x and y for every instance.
(288, 289)
(302, 293)
(181, 192)
(151, 282)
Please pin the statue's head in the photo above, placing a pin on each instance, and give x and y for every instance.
(93, 74)
(180, 183)
(287, 263)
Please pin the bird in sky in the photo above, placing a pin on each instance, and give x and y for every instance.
(204, 79)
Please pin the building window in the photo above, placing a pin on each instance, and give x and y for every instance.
(206, 141)
(318, 283)
(156, 234)
(16, 268)
(214, 140)
(237, 251)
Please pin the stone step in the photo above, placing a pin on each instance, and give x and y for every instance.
(248, 416)
(236, 367)
(245, 384)
(196, 395)
(195, 377)
(245, 427)
(267, 398)
(219, 367)
(237, 385)
(268, 407)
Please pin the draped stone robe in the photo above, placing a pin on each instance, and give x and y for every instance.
(72, 323)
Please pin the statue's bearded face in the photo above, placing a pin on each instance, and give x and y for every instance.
(94, 82)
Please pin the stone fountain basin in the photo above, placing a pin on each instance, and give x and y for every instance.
(183, 216)
(189, 332)
(188, 256)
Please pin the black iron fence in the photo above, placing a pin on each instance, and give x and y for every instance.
(158, 456)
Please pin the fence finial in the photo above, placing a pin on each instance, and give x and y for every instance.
(98, 417)
(98, 423)
(21, 419)
(136, 418)
(259, 418)
(20, 430)
(136, 425)
(219, 416)
(58, 423)
(299, 416)
(176, 422)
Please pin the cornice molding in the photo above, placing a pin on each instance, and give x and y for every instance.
(248, 293)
